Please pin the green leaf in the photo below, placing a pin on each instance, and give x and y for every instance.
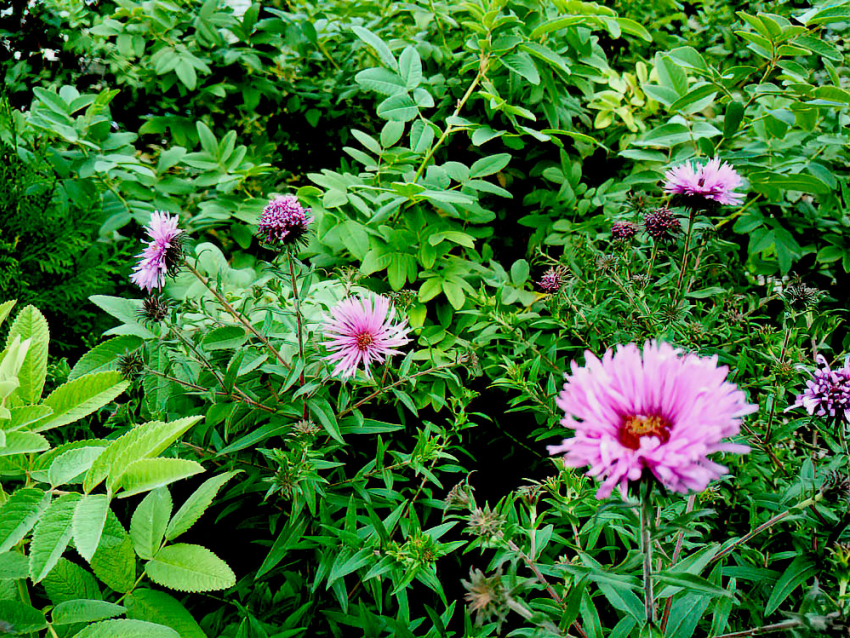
(19, 514)
(557, 24)
(51, 536)
(127, 629)
(5, 309)
(798, 572)
(69, 581)
(143, 441)
(22, 443)
(819, 47)
(523, 65)
(381, 80)
(125, 310)
(104, 357)
(224, 338)
(489, 165)
(25, 415)
(114, 562)
(194, 506)
(148, 474)
(398, 108)
(410, 68)
(20, 619)
(189, 568)
(325, 413)
(31, 324)
(158, 607)
(799, 182)
(89, 520)
(692, 583)
(421, 137)
(454, 293)
(378, 45)
(78, 398)
(147, 527)
(75, 611)
(71, 464)
(732, 120)
(14, 566)
(519, 272)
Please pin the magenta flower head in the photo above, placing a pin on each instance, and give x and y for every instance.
(701, 186)
(623, 230)
(658, 410)
(163, 253)
(661, 224)
(552, 280)
(284, 221)
(363, 330)
(827, 393)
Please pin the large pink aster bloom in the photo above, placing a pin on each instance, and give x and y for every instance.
(658, 409)
(363, 330)
(704, 184)
(162, 255)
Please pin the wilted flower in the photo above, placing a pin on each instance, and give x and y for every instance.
(131, 364)
(836, 484)
(623, 230)
(487, 596)
(485, 522)
(460, 496)
(661, 224)
(827, 393)
(658, 410)
(363, 329)
(605, 263)
(284, 221)
(154, 309)
(802, 297)
(304, 428)
(706, 184)
(162, 255)
(553, 279)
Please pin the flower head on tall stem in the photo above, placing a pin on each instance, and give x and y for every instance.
(702, 186)
(553, 279)
(662, 225)
(363, 330)
(284, 222)
(827, 393)
(658, 410)
(163, 254)
(623, 230)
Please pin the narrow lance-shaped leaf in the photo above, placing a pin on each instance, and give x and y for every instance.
(194, 506)
(19, 514)
(52, 535)
(189, 568)
(147, 527)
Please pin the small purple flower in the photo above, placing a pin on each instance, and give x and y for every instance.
(284, 221)
(827, 393)
(705, 184)
(661, 224)
(658, 409)
(623, 230)
(552, 280)
(362, 330)
(163, 253)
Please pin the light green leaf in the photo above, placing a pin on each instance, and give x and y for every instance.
(78, 398)
(89, 520)
(23, 443)
(523, 65)
(31, 324)
(127, 629)
(104, 357)
(410, 68)
(23, 415)
(21, 619)
(148, 474)
(51, 536)
(75, 611)
(194, 506)
(114, 562)
(5, 309)
(71, 464)
(489, 165)
(159, 607)
(19, 514)
(381, 81)
(189, 568)
(69, 581)
(398, 108)
(147, 527)
(378, 45)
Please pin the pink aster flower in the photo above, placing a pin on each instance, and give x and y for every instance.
(162, 255)
(284, 221)
(827, 393)
(704, 184)
(362, 329)
(658, 409)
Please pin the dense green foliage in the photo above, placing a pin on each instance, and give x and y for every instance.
(450, 153)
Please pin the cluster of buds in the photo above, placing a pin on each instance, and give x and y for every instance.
(662, 225)
(154, 309)
(801, 297)
(486, 596)
(485, 523)
(553, 279)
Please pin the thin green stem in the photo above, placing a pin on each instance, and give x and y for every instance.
(668, 606)
(646, 546)
(767, 629)
(298, 323)
(691, 219)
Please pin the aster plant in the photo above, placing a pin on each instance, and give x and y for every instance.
(702, 186)
(363, 330)
(284, 222)
(163, 254)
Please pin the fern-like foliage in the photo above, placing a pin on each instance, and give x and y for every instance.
(50, 255)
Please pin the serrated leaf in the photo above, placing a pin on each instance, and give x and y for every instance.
(114, 562)
(148, 474)
(104, 357)
(143, 441)
(194, 506)
(5, 309)
(89, 520)
(24, 415)
(189, 568)
(78, 398)
(19, 514)
(71, 464)
(13, 566)
(22, 443)
(147, 527)
(81, 610)
(31, 324)
(51, 536)
(159, 607)
(20, 618)
(127, 629)
(69, 581)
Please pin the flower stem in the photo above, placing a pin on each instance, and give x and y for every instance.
(298, 323)
(691, 218)
(668, 606)
(767, 629)
(233, 313)
(646, 543)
